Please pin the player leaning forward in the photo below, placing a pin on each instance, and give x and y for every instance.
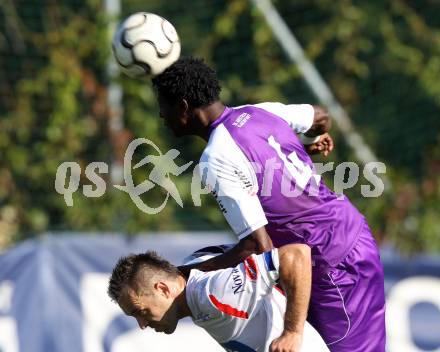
(240, 307)
(264, 181)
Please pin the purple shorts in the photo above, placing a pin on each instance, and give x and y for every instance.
(347, 304)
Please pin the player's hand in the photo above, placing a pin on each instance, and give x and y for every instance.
(287, 342)
(324, 146)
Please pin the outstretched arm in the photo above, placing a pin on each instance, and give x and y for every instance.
(257, 242)
(231, 178)
(296, 276)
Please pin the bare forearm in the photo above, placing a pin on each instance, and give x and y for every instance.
(229, 259)
(295, 276)
(258, 242)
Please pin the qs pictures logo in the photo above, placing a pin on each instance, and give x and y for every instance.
(163, 165)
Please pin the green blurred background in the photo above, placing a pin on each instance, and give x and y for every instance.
(380, 58)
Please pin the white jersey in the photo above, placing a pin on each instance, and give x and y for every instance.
(242, 308)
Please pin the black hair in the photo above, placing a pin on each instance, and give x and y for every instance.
(128, 267)
(191, 79)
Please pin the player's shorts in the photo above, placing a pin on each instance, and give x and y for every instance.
(347, 305)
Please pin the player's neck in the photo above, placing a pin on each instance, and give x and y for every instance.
(206, 116)
(182, 304)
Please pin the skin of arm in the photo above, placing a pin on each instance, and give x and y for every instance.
(295, 277)
(257, 242)
(320, 127)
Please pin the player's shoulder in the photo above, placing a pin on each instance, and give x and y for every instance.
(271, 107)
(202, 289)
(261, 105)
(196, 290)
(221, 145)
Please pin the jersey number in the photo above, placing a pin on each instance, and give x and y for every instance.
(301, 172)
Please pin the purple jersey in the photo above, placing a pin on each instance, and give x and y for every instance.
(261, 174)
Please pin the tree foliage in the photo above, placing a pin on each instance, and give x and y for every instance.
(381, 60)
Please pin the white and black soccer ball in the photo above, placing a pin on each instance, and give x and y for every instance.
(145, 44)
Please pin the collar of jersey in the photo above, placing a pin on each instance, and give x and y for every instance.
(220, 119)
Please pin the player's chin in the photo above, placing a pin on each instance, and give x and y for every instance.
(174, 131)
(169, 330)
(179, 132)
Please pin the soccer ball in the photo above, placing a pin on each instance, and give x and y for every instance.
(145, 44)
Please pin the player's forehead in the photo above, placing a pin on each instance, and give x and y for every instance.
(128, 300)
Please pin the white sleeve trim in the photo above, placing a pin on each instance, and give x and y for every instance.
(231, 178)
(252, 228)
(300, 117)
(269, 274)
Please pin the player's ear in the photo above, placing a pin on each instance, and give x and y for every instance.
(184, 108)
(162, 288)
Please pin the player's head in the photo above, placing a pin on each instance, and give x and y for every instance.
(146, 287)
(186, 85)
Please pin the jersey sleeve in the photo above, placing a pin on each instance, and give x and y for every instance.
(270, 267)
(299, 116)
(230, 177)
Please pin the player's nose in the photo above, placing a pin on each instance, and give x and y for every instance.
(142, 323)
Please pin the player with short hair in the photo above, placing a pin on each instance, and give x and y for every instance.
(265, 183)
(242, 308)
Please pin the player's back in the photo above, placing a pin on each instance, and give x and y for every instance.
(297, 204)
(241, 307)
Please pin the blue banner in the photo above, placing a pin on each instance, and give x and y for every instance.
(53, 297)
